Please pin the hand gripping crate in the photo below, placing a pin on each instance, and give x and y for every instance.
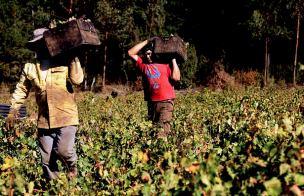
(70, 35)
(4, 109)
(172, 46)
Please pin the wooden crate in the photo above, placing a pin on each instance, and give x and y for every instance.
(70, 35)
(173, 46)
(4, 109)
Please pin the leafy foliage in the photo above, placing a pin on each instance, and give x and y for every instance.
(11, 50)
(212, 28)
(234, 143)
(149, 18)
(17, 22)
(188, 69)
(113, 18)
(267, 19)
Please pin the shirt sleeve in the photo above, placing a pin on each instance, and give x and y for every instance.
(139, 62)
(75, 72)
(20, 94)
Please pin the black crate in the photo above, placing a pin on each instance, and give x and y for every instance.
(172, 46)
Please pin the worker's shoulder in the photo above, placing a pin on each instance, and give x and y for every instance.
(30, 65)
(31, 62)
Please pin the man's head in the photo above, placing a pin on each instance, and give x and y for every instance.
(38, 45)
(147, 51)
(148, 55)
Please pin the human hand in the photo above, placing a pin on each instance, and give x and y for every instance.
(9, 121)
(152, 39)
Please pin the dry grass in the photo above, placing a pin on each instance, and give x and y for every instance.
(247, 78)
(219, 79)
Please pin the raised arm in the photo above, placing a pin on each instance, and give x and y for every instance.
(134, 51)
(175, 72)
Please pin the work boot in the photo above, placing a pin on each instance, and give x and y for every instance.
(72, 172)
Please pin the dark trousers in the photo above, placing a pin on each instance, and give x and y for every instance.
(57, 144)
(161, 112)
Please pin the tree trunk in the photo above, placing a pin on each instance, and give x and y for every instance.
(268, 55)
(71, 7)
(33, 23)
(136, 36)
(297, 43)
(85, 71)
(104, 63)
(152, 18)
(92, 85)
(85, 78)
(265, 79)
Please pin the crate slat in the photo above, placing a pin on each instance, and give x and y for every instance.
(21, 109)
(4, 110)
(9, 105)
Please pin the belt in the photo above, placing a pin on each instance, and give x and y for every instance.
(167, 100)
(163, 101)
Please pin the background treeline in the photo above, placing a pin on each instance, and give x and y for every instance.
(228, 39)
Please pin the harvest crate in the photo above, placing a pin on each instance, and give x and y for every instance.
(173, 45)
(70, 35)
(4, 109)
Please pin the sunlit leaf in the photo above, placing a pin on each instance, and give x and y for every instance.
(284, 167)
(273, 186)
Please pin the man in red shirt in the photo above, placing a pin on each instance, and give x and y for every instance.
(158, 80)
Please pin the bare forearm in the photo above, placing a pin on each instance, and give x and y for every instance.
(175, 72)
(134, 51)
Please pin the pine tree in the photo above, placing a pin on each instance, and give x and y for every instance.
(16, 27)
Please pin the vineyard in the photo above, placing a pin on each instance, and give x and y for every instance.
(246, 142)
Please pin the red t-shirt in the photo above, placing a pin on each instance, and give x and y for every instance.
(157, 86)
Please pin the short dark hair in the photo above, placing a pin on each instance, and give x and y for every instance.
(147, 47)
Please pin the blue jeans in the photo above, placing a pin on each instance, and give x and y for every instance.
(57, 144)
